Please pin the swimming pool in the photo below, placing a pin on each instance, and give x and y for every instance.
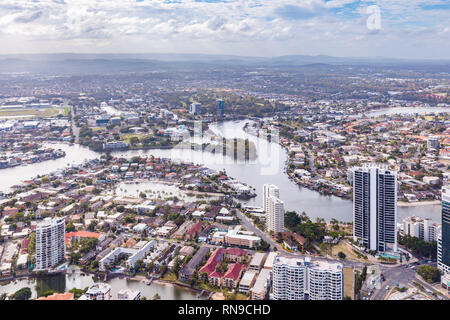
(387, 255)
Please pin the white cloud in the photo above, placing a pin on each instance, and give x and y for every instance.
(233, 26)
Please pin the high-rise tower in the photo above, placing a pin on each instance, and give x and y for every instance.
(375, 208)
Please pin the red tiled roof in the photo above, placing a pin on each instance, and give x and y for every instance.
(212, 262)
(24, 246)
(300, 239)
(58, 296)
(234, 271)
(215, 274)
(195, 228)
(82, 234)
(235, 252)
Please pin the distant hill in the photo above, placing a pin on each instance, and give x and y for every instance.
(111, 63)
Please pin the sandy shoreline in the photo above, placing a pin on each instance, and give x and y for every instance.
(418, 203)
(163, 282)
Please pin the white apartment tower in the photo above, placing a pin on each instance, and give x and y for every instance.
(289, 276)
(273, 207)
(50, 243)
(325, 281)
(433, 143)
(424, 229)
(275, 215)
(375, 208)
(268, 191)
(295, 279)
(195, 108)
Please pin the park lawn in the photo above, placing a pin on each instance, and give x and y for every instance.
(127, 137)
(208, 287)
(170, 276)
(350, 255)
(349, 282)
(238, 295)
(241, 296)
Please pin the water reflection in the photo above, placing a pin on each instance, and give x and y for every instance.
(267, 168)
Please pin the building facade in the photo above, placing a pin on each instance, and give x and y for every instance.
(289, 277)
(273, 207)
(99, 291)
(433, 143)
(220, 107)
(195, 108)
(424, 229)
(50, 243)
(275, 215)
(268, 191)
(375, 208)
(298, 279)
(325, 281)
(444, 239)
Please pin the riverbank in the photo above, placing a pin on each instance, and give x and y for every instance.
(268, 168)
(164, 283)
(418, 203)
(11, 160)
(322, 189)
(79, 279)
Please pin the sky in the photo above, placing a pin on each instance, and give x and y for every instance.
(350, 28)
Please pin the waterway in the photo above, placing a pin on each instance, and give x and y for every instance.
(74, 278)
(268, 167)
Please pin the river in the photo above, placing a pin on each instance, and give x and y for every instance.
(267, 168)
(74, 278)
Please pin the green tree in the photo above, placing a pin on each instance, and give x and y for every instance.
(47, 293)
(429, 273)
(70, 227)
(77, 292)
(22, 294)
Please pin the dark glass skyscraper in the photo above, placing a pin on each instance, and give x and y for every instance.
(375, 208)
(220, 107)
(444, 239)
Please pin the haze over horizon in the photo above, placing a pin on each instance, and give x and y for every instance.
(416, 29)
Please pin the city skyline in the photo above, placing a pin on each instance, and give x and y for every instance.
(224, 150)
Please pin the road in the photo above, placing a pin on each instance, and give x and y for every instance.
(400, 274)
(248, 224)
(404, 275)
